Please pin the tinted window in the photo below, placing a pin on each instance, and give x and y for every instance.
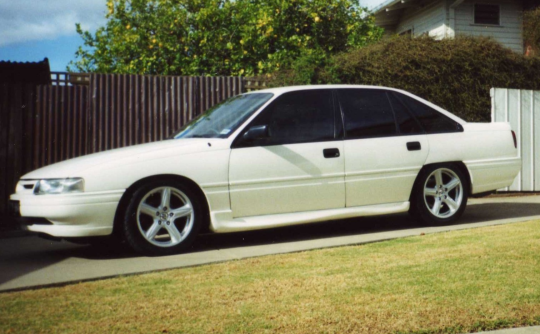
(432, 120)
(406, 122)
(298, 117)
(367, 113)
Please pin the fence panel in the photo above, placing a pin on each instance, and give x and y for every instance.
(522, 109)
(17, 103)
(60, 131)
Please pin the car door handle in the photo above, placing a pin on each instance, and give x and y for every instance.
(414, 146)
(331, 153)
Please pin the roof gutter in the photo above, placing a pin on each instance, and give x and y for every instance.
(384, 6)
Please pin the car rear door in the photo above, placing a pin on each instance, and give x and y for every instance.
(385, 147)
(297, 166)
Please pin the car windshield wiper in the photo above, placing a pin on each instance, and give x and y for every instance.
(201, 136)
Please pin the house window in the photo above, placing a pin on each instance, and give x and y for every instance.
(487, 14)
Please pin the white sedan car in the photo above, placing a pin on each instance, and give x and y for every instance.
(271, 158)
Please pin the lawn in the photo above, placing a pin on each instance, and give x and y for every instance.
(464, 281)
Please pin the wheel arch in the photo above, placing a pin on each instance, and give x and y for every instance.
(124, 201)
(458, 164)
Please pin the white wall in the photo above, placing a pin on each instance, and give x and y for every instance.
(510, 33)
(522, 109)
(428, 20)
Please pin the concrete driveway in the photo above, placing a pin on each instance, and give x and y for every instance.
(31, 262)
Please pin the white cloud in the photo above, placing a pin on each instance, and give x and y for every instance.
(30, 20)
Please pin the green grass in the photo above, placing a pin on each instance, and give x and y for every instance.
(455, 282)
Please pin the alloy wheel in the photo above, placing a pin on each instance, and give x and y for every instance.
(165, 216)
(443, 193)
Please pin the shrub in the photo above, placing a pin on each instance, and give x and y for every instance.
(456, 74)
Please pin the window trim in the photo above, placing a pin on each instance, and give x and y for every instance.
(339, 125)
(486, 24)
(237, 142)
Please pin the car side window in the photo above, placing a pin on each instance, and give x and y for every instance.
(432, 121)
(367, 113)
(297, 117)
(406, 122)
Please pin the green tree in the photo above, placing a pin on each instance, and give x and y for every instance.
(220, 37)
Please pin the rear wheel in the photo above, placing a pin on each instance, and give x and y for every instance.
(440, 195)
(163, 217)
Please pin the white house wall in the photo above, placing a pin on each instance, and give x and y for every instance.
(428, 20)
(510, 33)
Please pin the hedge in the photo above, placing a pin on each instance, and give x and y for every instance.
(456, 74)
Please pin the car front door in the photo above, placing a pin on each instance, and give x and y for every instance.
(385, 147)
(294, 162)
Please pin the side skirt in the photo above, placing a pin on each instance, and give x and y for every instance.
(222, 222)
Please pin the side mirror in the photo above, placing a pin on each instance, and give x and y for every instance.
(256, 132)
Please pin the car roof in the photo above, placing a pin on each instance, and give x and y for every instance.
(281, 90)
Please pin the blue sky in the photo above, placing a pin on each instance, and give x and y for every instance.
(31, 30)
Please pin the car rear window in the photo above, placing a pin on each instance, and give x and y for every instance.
(432, 121)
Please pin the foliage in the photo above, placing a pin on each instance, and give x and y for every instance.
(531, 30)
(456, 74)
(220, 37)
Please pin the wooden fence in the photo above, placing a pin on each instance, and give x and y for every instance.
(120, 110)
(61, 129)
(46, 124)
(17, 114)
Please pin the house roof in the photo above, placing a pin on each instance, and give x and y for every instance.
(38, 73)
(389, 13)
(385, 5)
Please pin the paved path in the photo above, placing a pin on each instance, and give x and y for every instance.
(523, 330)
(28, 262)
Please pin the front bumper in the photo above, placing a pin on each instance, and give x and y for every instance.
(69, 215)
(14, 211)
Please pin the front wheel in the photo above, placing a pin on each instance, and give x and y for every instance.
(440, 195)
(162, 217)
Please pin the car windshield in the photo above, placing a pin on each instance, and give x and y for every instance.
(222, 119)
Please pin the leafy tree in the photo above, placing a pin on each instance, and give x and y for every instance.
(220, 37)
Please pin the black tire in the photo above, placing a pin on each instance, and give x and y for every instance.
(107, 243)
(94, 241)
(427, 192)
(143, 233)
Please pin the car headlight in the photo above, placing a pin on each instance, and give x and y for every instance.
(59, 186)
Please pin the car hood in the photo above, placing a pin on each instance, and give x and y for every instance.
(78, 166)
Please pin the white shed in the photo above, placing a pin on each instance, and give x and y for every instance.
(500, 19)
